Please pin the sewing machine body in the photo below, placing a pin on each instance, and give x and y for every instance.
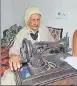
(39, 55)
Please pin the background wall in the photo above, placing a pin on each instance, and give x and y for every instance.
(56, 13)
(6, 15)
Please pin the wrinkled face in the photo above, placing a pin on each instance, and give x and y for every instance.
(34, 21)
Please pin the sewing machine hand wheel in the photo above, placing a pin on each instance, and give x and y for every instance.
(26, 50)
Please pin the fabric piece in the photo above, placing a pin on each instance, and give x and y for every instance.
(72, 61)
(34, 36)
(56, 33)
(8, 78)
(4, 60)
(25, 73)
(9, 35)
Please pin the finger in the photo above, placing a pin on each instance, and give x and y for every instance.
(20, 60)
(15, 65)
(10, 64)
(18, 64)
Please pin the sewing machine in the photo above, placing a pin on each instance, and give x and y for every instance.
(44, 62)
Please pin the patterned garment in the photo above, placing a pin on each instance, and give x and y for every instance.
(56, 33)
(4, 60)
(9, 35)
(6, 42)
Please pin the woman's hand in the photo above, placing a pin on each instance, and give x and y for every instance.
(14, 61)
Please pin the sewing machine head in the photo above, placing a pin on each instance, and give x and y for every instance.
(42, 56)
(35, 53)
(61, 46)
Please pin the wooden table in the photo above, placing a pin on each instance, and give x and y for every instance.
(65, 75)
(68, 81)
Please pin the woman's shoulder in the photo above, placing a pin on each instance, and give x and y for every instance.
(44, 28)
(22, 32)
(24, 29)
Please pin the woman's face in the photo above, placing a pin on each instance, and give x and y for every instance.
(34, 21)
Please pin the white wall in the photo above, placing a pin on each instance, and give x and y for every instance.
(6, 15)
(19, 7)
(68, 24)
(13, 12)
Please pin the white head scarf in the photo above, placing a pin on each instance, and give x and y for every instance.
(31, 10)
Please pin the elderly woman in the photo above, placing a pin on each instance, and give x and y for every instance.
(33, 31)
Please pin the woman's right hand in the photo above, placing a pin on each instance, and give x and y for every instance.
(14, 61)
